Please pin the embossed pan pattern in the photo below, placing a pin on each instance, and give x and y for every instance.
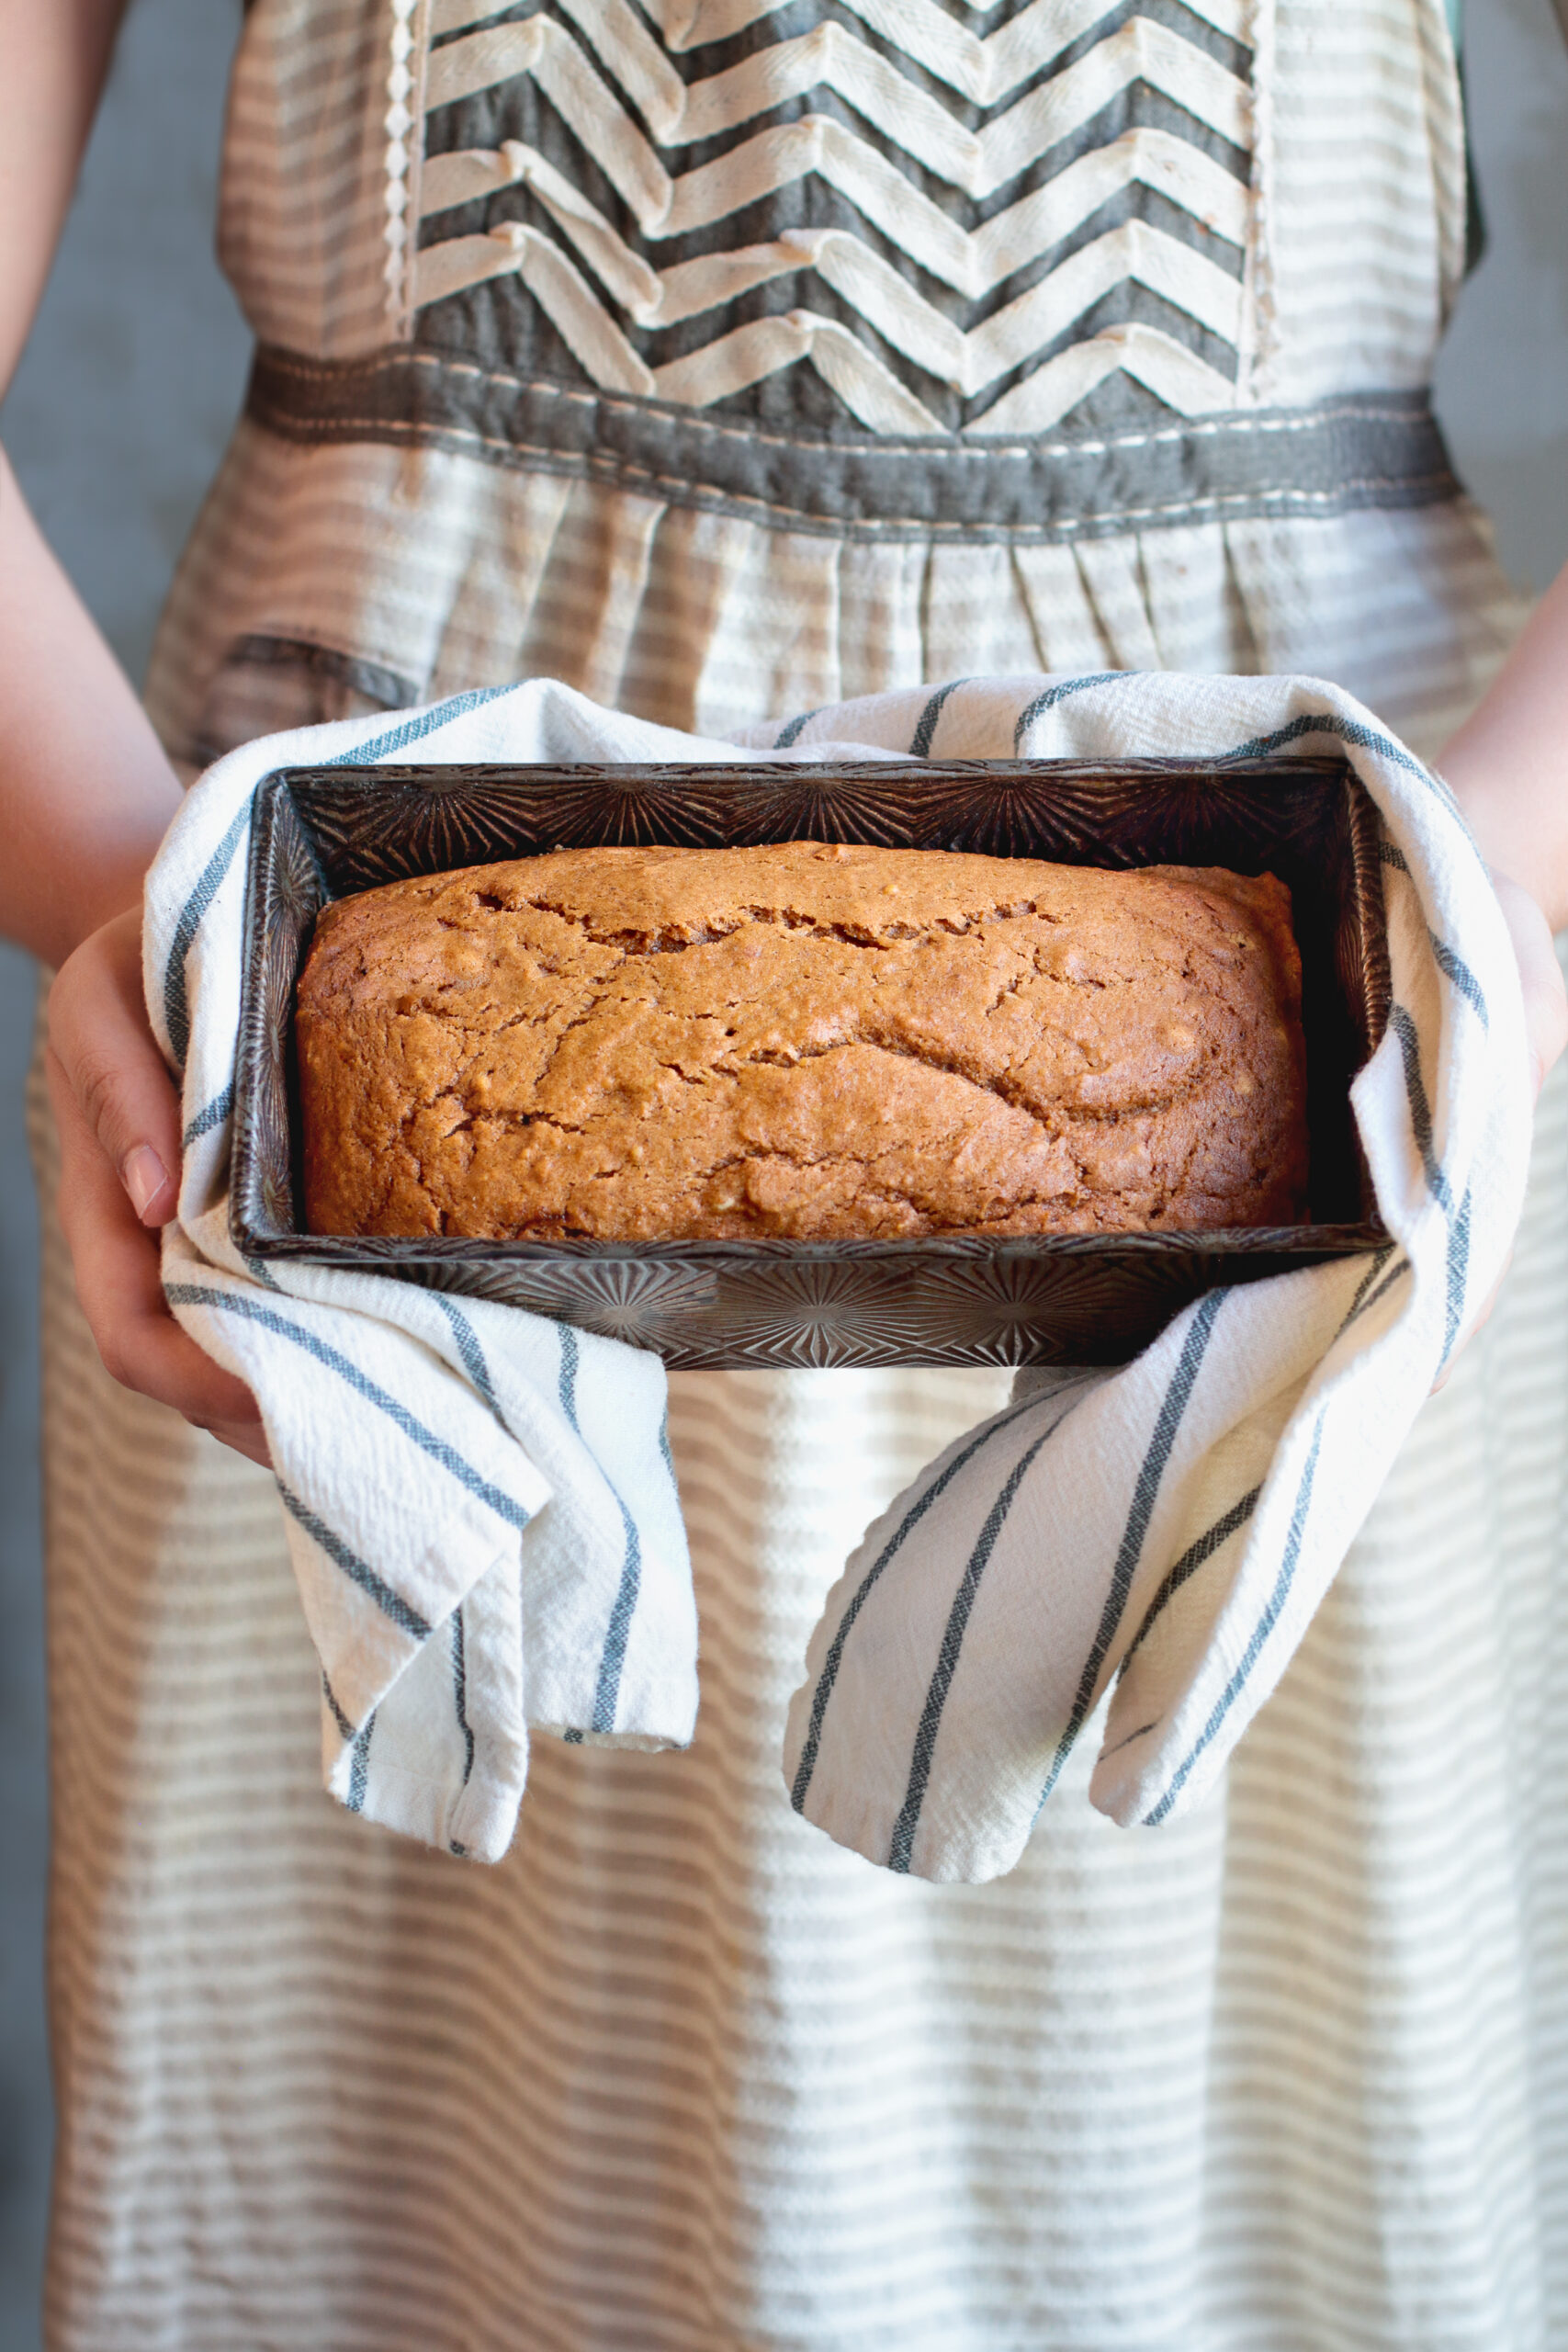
(323, 833)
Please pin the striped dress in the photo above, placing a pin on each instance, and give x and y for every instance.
(729, 360)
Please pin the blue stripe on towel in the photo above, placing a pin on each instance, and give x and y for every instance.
(906, 1525)
(1260, 1634)
(925, 726)
(1449, 961)
(1345, 730)
(1191, 1560)
(403, 1615)
(1176, 1395)
(607, 1689)
(909, 1819)
(195, 1294)
(1059, 693)
(412, 730)
(1455, 968)
(359, 1770)
(468, 1348)
(460, 1691)
(1363, 1305)
(215, 1114)
(1404, 1028)
(330, 1695)
(568, 1384)
(176, 1003)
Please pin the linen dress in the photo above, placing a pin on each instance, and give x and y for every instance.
(728, 361)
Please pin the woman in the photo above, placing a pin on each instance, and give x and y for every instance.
(746, 360)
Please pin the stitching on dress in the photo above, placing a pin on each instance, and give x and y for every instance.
(883, 446)
(556, 460)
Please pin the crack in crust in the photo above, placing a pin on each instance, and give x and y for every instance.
(803, 1041)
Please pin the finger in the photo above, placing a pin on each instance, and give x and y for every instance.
(248, 1438)
(99, 1032)
(116, 1263)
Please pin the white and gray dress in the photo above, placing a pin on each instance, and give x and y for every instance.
(730, 360)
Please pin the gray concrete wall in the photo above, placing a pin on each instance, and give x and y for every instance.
(114, 422)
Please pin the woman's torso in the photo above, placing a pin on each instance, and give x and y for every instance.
(728, 360)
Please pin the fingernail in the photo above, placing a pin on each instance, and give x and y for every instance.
(144, 1176)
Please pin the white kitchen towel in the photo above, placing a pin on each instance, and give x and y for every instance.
(480, 1510)
(480, 1506)
(1165, 1532)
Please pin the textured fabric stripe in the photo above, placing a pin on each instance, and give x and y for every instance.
(606, 1690)
(1454, 967)
(213, 1116)
(460, 1693)
(330, 1695)
(868, 1583)
(568, 1375)
(1053, 695)
(233, 1302)
(359, 1770)
(792, 729)
(391, 1604)
(1359, 451)
(1404, 1028)
(1260, 1634)
(468, 1348)
(1451, 962)
(908, 1820)
(1191, 1560)
(411, 730)
(925, 727)
(1173, 1405)
(177, 1005)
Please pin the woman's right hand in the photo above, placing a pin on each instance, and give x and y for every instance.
(119, 1140)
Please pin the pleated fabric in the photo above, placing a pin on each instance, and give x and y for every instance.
(1288, 2076)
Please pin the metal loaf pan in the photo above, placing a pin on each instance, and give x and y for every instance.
(322, 833)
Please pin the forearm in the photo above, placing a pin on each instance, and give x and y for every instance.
(1508, 763)
(85, 791)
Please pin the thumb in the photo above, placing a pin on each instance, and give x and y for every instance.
(103, 1056)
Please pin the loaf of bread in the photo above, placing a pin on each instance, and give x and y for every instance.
(802, 1041)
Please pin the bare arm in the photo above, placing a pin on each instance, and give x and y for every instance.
(85, 793)
(1508, 763)
(1508, 767)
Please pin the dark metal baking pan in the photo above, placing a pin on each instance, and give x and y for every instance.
(322, 833)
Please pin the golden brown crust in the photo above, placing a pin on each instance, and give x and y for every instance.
(802, 1041)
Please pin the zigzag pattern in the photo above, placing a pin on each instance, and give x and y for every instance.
(913, 283)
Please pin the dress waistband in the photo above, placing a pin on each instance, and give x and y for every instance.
(1358, 450)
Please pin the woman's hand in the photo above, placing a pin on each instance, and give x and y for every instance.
(119, 1140)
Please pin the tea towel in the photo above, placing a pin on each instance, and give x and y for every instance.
(479, 1504)
(1165, 1532)
(483, 1520)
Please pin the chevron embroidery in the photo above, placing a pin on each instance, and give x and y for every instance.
(953, 231)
